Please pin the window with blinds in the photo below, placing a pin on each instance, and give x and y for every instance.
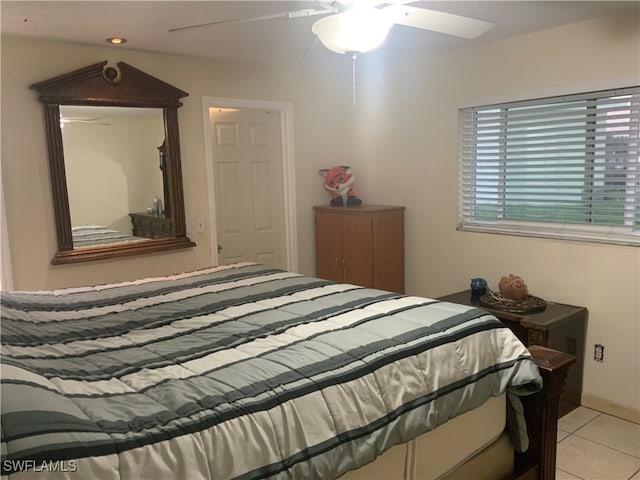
(564, 167)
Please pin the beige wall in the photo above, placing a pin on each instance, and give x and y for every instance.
(402, 147)
(408, 131)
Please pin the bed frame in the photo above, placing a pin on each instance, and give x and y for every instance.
(541, 412)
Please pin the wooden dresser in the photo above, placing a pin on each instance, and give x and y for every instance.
(362, 245)
(151, 226)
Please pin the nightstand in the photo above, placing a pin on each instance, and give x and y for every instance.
(560, 327)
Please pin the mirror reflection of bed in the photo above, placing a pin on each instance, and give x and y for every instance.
(112, 170)
(92, 235)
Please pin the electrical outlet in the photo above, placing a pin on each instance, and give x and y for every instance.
(200, 224)
(598, 352)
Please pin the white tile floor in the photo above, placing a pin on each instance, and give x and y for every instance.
(597, 446)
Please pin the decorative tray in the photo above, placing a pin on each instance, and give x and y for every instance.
(528, 304)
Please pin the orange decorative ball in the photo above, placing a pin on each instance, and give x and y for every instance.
(512, 287)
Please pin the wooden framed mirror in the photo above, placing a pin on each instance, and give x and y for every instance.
(129, 199)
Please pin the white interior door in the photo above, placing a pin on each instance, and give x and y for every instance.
(248, 180)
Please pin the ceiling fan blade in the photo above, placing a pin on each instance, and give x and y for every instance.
(448, 23)
(308, 12)
(85, 122)
(80, 119)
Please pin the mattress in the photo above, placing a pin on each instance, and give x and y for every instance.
(437, 453)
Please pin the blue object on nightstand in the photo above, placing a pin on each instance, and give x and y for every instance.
(478, 288)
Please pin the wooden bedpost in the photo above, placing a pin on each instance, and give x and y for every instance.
(541, 411)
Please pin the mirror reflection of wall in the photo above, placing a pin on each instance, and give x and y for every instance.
(112, 165)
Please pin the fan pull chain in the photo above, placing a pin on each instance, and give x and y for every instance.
(353, 77)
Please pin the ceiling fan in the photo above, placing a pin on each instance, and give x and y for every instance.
(358, 26)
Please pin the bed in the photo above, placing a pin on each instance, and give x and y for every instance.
(246, 371)
(91, 235)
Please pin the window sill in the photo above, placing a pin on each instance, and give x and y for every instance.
(627, 240)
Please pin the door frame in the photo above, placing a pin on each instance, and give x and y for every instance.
(6, 273)
(288, 181)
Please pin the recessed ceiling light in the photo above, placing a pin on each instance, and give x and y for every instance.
(116, 40)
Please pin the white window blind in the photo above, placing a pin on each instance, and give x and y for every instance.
(564, 167)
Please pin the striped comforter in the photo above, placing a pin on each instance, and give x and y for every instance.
(239, 371)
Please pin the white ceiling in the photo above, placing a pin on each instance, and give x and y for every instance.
(146, 23)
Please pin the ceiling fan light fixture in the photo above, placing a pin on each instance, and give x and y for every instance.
(356, 31)
(116, 40)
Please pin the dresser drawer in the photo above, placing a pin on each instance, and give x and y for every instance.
(151, 226)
